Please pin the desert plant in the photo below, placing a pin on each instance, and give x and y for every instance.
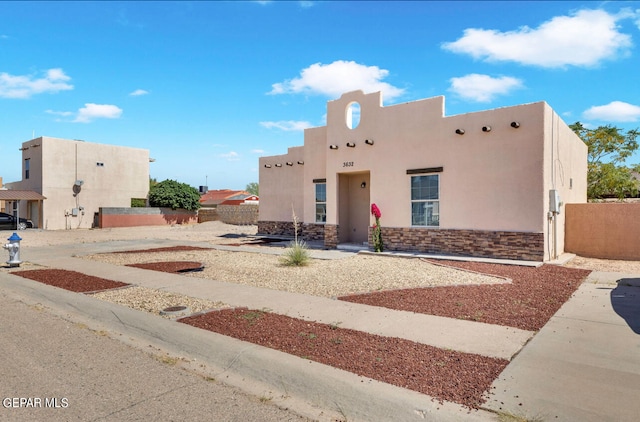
(297, 254)
(377, 231)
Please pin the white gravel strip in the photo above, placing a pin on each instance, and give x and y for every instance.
(154, 301)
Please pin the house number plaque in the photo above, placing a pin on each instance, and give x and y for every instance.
(347, 164)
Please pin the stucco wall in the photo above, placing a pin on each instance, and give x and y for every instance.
(492, 179)
(133, 217)
(603, 230)
(112, 175)
(282, 184)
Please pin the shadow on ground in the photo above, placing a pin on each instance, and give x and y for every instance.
(625, 300)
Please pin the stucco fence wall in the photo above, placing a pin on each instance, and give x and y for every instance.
(241, 215)
(603, 230)
(131, 217)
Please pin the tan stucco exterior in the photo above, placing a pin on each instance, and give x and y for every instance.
(107, 175)
(491, 180)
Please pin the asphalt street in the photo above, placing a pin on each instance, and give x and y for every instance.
(56, 370)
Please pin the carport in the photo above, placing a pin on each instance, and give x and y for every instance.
(10, 195)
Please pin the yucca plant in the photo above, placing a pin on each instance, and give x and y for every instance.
(297, 254)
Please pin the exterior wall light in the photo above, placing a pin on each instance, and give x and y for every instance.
(486, 128)
(333, 146)
(301, 162)
(278, 165)
(515, 125)
(267, 166)
(460, 131)
(368, 141)
(351, 144)
(289, 163)
(363, 185)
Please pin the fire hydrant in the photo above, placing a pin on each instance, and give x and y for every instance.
(14, 250)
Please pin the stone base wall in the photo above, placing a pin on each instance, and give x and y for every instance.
(477, 243)
(308, 232)
(276, 228)
(313, 232)
(331, 235)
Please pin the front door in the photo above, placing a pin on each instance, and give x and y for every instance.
(353, 208)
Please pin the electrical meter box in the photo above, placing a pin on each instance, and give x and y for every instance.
(554, 201)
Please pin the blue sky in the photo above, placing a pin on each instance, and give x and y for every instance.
(208, 87)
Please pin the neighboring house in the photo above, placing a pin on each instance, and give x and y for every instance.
(213, 198)
(489, 183)
(254, 200)
(77, 178)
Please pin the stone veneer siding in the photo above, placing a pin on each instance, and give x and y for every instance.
(330, 235)
(477, 243)
(308, 232)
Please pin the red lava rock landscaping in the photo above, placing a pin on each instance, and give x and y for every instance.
(170, 266)
(442, 374)
(70, 280)
(534, 295)
(527, 303)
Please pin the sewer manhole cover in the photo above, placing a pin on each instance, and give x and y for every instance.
(175, 311)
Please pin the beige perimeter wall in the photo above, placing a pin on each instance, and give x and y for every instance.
(603, 230)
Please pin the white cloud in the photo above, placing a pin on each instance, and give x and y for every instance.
(336, 78)
(287, 125)
(60, 113)
(257, 151)
(231, 156)
(55, 80)
(615, 111)
(92, 111)
(138, 92)
(483, 88)
(582, 39)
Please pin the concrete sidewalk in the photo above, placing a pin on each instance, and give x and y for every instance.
(585, 344)
(584, 365)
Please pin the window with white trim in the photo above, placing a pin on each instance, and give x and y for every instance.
(425, 200)
(321, 202)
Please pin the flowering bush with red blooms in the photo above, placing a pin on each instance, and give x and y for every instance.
(377, 231)
(376, 211)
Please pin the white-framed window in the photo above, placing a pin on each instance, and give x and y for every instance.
(425, 200)
(321, 202)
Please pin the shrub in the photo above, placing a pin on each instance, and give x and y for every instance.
(296, 254)
(174, 195)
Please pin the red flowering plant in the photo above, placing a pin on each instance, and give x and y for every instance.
(377, 231)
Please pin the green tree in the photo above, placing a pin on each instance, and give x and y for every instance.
(253, 188)
(174, 195)
(609, 148)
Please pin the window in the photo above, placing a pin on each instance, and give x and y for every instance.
(321, 202)
(26, 167)
(353, 115)
(425, 200)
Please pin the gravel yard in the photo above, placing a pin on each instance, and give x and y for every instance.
(327, 278)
